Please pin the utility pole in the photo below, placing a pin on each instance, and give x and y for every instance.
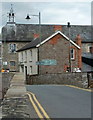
(70, 67)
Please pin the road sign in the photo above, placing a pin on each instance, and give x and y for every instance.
(47, 62)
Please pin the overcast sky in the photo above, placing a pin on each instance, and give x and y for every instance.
(77, 12)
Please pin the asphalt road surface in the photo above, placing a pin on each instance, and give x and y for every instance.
(63, 101)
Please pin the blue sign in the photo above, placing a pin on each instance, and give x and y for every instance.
(47, 62)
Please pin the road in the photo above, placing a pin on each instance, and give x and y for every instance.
(63, 101)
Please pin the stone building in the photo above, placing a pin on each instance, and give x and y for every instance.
(9, 46)
(15, 36)
(52, 55)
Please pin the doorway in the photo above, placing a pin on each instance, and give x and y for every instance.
(25, 72)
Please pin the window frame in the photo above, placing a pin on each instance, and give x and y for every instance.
(31, 70)
(12, 65)
(30, 55)
(72, 55)
(25, 56)
(91, 49)
(12, 48)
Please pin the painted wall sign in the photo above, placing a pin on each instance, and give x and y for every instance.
(47, 62)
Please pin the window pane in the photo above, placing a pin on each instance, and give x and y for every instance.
(30, 69)
(72, 54)
(91, 49)
(22, 56)
(26, 55)
(12, 47)
(30, 55)
(12, 63)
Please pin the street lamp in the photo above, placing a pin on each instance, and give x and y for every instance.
(39, 16)
(68, 25)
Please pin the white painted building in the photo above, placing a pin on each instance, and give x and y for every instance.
(27, 61)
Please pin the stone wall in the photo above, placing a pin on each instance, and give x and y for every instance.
(6, 78)
(7, 56)
(77, 79)
(57, 48)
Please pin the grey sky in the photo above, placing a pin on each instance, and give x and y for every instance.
(78, 13)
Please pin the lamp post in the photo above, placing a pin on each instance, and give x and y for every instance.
(70, 67)
(39, 16)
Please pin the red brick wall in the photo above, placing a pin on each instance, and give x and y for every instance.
(57, 27)
(35, 35)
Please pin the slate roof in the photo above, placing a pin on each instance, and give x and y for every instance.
(87, 55)
(87, 60)
(86, 67)
(30, 45)
(24, 32)
(38, 42)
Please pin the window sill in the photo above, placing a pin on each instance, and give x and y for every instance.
(20, 61)
(12, 52)
(73, 59)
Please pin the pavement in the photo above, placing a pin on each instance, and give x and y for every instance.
(15, 102)
(17, 86)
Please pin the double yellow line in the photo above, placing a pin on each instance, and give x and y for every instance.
(34, 101)
(89, 90)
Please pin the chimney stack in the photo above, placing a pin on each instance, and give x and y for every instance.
(35, 35)
(57, 28)
(78, 40)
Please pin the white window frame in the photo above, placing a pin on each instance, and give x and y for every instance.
(25, 56)
(88, 49)
(30, 55)
(12, 48)
(31, 70)
(22, 57)
(72, 55)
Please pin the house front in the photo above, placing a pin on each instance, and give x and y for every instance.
(55, 54)
(15, 36)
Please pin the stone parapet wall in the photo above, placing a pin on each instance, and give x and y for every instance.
(77, 79)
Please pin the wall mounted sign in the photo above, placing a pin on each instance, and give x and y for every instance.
(47, 62)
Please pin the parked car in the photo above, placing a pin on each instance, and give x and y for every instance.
(5, 70)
